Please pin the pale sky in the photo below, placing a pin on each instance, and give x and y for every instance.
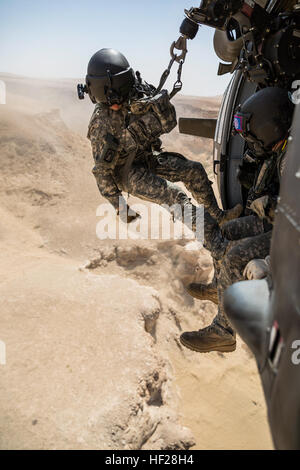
(56, 38)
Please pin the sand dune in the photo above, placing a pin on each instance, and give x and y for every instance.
(91, 327)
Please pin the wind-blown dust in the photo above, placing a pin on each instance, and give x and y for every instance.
(91, 327)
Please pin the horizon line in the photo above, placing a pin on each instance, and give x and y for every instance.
(61, 79)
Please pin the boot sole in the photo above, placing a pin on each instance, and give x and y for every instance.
(225, 348)
(200, 296)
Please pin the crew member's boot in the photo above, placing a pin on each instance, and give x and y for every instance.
(203, 291)
(212, 338)
(230, 214)
(221, 216)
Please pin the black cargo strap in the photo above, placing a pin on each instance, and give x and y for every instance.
(164, 76)
(180, 45)
(178, 84)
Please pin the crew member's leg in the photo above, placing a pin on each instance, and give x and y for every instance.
(175, 167)
(236, 229)
(147, 185)
(220, 336)
(245, 227)
(237, 257)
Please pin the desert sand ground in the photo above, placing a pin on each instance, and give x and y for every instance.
(91, 326)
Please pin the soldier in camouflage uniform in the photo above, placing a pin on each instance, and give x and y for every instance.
(124, 134)
(247, 238)
(244, 239)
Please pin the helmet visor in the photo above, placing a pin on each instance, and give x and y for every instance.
(111, 89)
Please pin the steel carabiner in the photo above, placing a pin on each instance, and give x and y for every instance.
(180, 45)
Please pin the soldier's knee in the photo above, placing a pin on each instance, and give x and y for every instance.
(173, 155)
(196, 172)
(197, 165)
(202, 172)
(177, 195)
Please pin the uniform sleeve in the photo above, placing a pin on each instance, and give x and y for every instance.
(104, 176)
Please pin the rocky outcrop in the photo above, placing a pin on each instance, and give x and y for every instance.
(85, 371)
(93, 358)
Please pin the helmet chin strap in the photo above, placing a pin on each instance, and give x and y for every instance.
(112, 96)
(109, 77)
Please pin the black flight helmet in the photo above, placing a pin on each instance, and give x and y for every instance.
(109, 77)
(264, 119)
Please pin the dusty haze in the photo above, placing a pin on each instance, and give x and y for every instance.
(91, 327)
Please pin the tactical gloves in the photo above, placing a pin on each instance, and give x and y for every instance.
(257, 269)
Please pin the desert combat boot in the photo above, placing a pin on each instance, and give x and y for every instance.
(203, 291)
(230, 214)
(212, 338)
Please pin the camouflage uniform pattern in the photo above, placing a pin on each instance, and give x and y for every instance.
(152, 174)
(250, 238)
(244, 239)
